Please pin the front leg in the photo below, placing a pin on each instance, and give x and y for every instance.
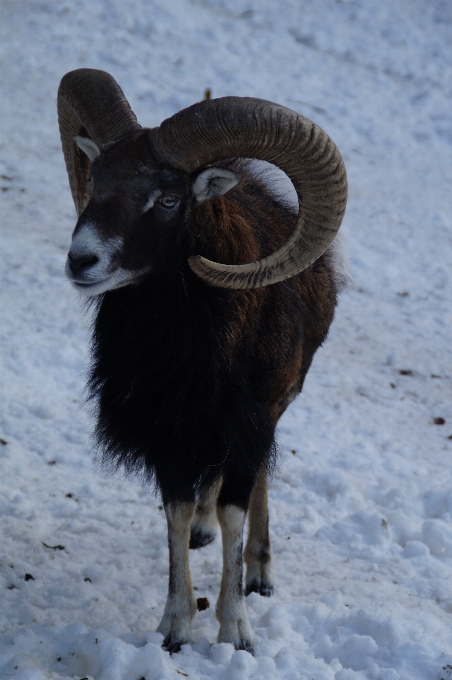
(231, 609)
(180, 605)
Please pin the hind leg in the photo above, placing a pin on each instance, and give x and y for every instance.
(204, 524)
(258, 553)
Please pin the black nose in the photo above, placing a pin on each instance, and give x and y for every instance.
(79, 263)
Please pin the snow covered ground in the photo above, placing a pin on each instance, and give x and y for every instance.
(361, 506)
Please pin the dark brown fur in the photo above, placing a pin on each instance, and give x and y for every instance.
(234, 229)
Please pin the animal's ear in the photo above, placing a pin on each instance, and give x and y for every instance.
(212, 183)
(87, 146)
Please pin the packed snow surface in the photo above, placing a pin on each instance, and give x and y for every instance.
(361, 504)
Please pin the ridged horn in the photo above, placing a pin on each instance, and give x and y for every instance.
(229, 127)
(90, 104)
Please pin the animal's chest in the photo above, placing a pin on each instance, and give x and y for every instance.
(173, 365)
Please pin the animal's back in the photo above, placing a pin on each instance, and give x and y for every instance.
(288, 321)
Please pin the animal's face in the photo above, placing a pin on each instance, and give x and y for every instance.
(135, 215)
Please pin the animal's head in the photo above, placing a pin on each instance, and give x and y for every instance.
(133, 187)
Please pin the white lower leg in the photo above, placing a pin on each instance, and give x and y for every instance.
(231, 609)
(258, 555)
(180, 604)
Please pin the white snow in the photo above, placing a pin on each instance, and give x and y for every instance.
(361, 506)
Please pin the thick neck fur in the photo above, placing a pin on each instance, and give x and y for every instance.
(174, 395)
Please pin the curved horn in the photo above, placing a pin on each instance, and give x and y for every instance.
(90, 103)
(253, 128)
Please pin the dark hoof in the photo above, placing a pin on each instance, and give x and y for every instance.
(247, 646)
(199, 539)
(261, 587)
(266, 590)
(172, 646)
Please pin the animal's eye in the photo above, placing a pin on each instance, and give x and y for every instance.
(169, 201)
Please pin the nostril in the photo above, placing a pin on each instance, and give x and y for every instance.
(79, 263)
